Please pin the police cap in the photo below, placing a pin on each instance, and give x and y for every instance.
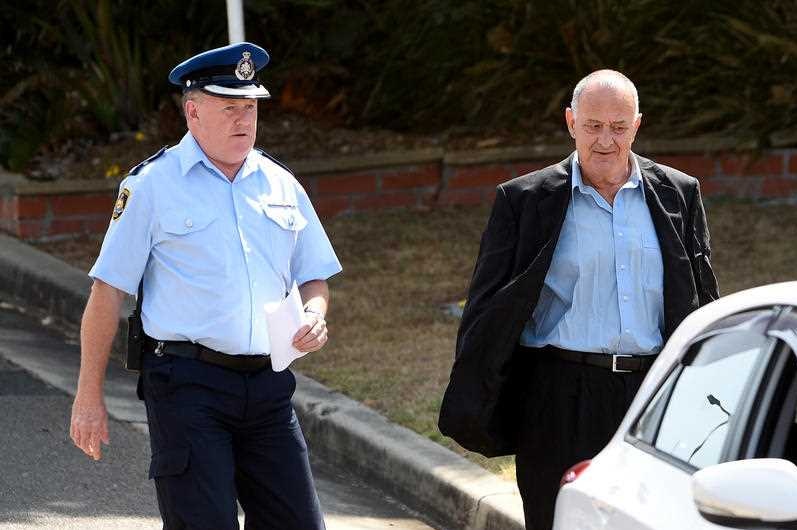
(228, 72)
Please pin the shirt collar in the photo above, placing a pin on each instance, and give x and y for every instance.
(192, 154)
(634, 178)
(249, 166)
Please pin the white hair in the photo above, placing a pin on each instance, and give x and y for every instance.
(605, 79)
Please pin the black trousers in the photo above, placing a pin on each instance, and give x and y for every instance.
(220, 436)
(571, 412)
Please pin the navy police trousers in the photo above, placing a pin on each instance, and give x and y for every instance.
(220, 436)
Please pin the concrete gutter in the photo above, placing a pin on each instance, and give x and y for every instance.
(342, 431)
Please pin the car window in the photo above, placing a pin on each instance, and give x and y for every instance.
(690, 415)
(648, 424)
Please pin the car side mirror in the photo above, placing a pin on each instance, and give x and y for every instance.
(748, 493)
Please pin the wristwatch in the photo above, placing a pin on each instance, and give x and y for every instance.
(313, 311)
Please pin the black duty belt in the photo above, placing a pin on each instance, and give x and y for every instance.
(192, 350)
(617, 362)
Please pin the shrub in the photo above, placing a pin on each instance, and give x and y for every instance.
(702, 67)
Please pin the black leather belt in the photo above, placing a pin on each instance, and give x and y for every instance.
(618, 362)
(192, 350)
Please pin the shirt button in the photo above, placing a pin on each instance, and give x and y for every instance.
(620, 234)
(189, 223)
(622, 267)
(628, 331)
(625, 298)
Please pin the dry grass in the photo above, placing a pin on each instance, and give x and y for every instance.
(752, 244)
(391, 344)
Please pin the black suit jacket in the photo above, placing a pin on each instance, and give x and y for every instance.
(481, 406)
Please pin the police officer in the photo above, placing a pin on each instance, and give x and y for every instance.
(213, 231)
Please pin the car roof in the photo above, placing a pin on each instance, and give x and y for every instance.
(696, 323)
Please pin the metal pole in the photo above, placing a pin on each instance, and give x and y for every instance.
(235, 20)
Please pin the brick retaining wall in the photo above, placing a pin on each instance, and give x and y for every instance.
(415, 179)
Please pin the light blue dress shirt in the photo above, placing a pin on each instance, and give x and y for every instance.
(213, 253)
(604, 289)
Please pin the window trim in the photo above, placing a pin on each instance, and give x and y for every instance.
(660, 414)
(784, 328)
(785, 420)
(661, 455)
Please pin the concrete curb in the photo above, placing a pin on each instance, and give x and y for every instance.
(48, 284)
(340, 430)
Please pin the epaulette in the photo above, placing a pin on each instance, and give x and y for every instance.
(275, 160)
(138, 167)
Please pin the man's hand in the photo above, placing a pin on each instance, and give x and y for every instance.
(313, 335)
(89, 426)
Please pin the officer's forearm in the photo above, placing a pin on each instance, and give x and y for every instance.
(97, 330)
(315, 296)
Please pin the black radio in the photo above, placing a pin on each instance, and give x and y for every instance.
(135, 334)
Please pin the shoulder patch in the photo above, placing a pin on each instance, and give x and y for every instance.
(121, 202)
(275, 160)
(140, 165)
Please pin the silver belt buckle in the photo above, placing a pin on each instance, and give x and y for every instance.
(614, 364)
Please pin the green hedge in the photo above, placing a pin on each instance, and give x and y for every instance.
(84, 69)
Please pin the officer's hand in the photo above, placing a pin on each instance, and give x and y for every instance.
(313, 335)
(89, 425)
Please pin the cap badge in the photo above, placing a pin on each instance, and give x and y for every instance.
(246, 67)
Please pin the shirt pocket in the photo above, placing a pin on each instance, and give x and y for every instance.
(285, 216)
(285, 222)
(182, 223)
(191, 242)
(283, 225)
(653, 266)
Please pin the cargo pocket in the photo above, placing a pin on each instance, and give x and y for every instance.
(169, 462)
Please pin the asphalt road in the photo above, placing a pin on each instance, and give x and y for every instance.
(45, 482)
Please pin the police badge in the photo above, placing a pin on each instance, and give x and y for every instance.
(121, 202)
(246, 68)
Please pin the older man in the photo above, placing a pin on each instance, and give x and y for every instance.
(208, 233)
(585, 268)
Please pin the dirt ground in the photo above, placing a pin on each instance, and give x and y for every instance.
(287, 135)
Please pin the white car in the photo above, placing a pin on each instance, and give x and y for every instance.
(710, 440)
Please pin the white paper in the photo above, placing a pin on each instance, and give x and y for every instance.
(284, 320)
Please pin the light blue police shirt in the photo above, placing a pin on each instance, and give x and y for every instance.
(213, 253)
(604, 289)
